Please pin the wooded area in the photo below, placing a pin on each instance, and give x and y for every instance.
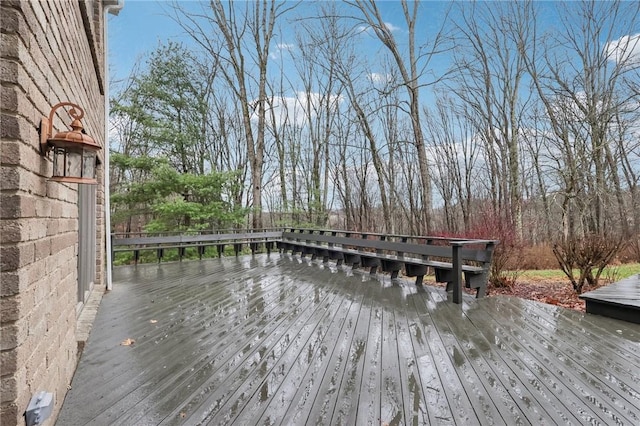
(529, 135)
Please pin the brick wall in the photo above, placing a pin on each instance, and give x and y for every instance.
(51, 51)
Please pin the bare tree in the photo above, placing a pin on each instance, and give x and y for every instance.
(582, 85)
(321, 43)
(488, 78)
(239, 36)
(456, 156)
(330, 63)
(411, 67)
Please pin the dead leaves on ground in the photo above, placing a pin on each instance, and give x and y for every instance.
(553, 293)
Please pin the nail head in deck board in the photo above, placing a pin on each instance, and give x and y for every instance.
(272, 338)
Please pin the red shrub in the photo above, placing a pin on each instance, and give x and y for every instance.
(491, 225)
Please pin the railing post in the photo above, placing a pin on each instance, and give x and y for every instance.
(456, 260)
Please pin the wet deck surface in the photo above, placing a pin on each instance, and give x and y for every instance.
(280, 340)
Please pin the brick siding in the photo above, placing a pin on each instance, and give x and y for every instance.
(51, 51)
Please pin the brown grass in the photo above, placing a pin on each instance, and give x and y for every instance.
(537, 257)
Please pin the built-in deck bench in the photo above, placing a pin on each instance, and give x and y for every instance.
(454, 261)
(200, 242)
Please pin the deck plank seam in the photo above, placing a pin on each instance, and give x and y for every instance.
(209, 416)
(231, 335)
(151, 395)
(213, 419)
(488, 378)
(564, 375)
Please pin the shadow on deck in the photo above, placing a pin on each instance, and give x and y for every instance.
(280, 340)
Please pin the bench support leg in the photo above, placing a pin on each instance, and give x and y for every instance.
(419, 280)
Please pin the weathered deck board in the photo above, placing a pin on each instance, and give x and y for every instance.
(620, 300)
(280, 340)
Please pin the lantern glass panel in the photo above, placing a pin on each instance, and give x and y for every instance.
(74, 163)
(89, 164)
(58, 162)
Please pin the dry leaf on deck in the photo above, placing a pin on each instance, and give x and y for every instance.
(153, 321)
(127, 342)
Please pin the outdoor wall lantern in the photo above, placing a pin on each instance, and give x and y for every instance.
(75, 154)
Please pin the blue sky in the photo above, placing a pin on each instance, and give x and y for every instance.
(137, 30)
(143, 24)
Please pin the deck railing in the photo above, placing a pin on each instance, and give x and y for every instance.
(139, 242)
(454, 261)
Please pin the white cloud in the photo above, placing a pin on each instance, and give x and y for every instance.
(369, 30)
(391, 27)
(286, 46)
(280, 48)
(625, 50)
(375, 77)
(292, 109)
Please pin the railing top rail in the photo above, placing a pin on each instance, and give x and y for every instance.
(202, 238)
(481, 254)
(230, 234)
(143, 234)
(464, 241)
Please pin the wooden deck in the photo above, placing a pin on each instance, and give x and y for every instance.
(281, 340)
(620, 300)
